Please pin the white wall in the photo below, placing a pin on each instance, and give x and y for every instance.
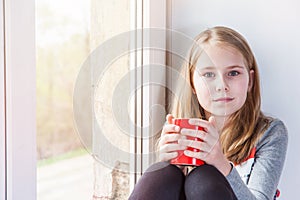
(272, 29)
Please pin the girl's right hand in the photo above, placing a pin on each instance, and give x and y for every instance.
(168, 145)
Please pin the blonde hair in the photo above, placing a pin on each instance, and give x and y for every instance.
(244, 127)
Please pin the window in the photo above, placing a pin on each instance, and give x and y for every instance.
(64, 168)
(58, 61)
(66, 40)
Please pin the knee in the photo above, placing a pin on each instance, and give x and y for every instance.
(161, 166)
(158, 177)
(164, 170)
(206, 181)
(203, 177)
(206, 173)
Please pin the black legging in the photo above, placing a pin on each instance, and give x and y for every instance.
(163, 181)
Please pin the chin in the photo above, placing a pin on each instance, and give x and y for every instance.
(223, 113)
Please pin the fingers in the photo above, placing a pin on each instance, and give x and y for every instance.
(169, 138)
(170, 128)
(194, 133)
(168, 148)
(173, 139)
(168, 145)
(200, 155)
(199, 145)
(167, 156)
(200, 140)
(199, 122)
(212, 121)
(169, 151)
(169, 118)
(208, 126)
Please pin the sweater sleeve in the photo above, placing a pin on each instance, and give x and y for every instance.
(268, 164)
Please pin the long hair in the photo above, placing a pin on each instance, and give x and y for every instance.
(244, 127)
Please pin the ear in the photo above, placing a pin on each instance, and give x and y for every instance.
(251, 80)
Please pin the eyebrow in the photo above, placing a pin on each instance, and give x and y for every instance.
(227, 67)
(235, 66)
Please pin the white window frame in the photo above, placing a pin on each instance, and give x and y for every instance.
(2, 110)
(17, 104)
(18, 95)
(149, 14)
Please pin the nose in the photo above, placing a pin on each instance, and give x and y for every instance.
(221, 84)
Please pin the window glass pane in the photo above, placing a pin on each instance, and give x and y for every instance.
(67, 34)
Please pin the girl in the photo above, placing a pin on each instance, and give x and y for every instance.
(243, 150)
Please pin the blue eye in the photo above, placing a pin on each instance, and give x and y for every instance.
(233, 73)
(209, 74)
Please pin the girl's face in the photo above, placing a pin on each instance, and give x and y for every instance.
(221, 80)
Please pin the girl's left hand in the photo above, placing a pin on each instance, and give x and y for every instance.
(210, 146)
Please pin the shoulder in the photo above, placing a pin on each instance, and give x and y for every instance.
(275, 133)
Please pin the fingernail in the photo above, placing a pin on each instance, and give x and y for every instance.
(191, 121)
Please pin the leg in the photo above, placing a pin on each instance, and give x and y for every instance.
(161, 181)
(206, 182)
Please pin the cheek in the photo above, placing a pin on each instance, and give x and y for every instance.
(241, 88)
(202, 89)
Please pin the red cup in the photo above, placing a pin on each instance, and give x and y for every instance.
(182, 159)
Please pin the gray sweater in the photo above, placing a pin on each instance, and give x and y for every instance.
(258, 178)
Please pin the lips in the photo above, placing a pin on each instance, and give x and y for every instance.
(223, 99)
